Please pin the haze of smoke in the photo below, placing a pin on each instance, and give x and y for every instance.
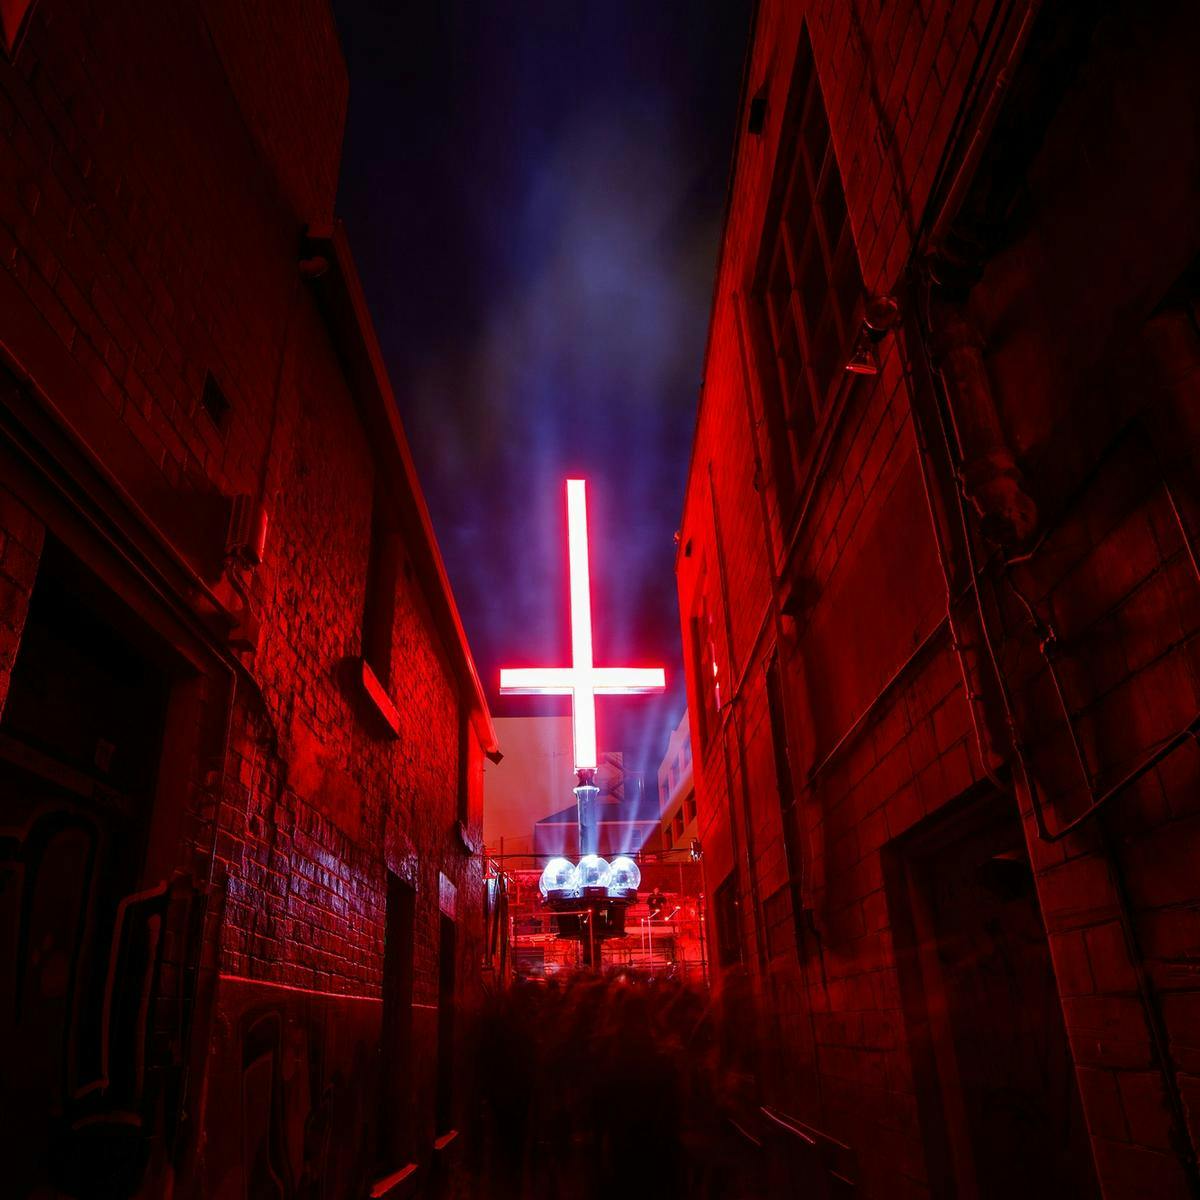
(587, 364)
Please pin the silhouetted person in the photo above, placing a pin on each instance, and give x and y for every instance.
(606, 1086)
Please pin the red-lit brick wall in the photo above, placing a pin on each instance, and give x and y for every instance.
(888, 698)
(153, 193)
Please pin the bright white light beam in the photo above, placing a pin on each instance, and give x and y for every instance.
(582, 681)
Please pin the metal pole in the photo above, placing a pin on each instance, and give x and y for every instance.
(585, 799)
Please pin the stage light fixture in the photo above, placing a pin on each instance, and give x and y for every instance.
(594, 873)
(624, 877)
(560, 878)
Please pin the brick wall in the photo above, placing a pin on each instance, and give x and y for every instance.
(895, 713)
(153, 190)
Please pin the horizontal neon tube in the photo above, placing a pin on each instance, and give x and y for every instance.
(582, 680)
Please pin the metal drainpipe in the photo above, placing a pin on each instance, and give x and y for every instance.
(1155, 1025)
(989, 753)
(1158, 1034)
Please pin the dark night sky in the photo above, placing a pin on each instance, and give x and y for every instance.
(534, 194)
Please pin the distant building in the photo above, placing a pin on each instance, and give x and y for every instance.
(676, 792)
(666, 927)
(529, 802)
(532, 780)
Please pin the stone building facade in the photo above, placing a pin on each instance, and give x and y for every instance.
(241, 733)
(940, 594)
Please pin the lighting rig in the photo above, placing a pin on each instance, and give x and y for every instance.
(589, 898)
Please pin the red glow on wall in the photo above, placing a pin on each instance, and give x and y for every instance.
(582, 680)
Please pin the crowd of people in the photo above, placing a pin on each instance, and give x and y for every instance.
(613, 1086)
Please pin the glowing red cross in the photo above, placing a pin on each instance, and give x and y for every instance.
(582, 681)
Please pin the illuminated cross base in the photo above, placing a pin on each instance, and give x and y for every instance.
(589, 899)
(590, 926)
(589, 915)
(586, 795)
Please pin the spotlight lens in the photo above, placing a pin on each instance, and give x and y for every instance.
(624, 875)
(593, 871)
(559, 876)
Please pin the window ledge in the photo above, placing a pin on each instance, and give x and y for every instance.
(380, 701)
(396, 1185)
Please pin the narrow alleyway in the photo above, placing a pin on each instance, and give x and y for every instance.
(599, 600)
(613, 1086)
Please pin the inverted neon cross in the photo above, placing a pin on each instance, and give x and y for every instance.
(582, 681)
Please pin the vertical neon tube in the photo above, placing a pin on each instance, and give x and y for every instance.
(581, 624)
(582, 680)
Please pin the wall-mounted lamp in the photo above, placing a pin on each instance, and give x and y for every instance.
(882, 315)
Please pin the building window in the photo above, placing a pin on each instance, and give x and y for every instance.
(379, 607)
(678, 823)
(725, 912)
(690, 805)
(809, 284)
(704, 665)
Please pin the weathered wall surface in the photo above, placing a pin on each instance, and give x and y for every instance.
(156, 177)
(1071, 253)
